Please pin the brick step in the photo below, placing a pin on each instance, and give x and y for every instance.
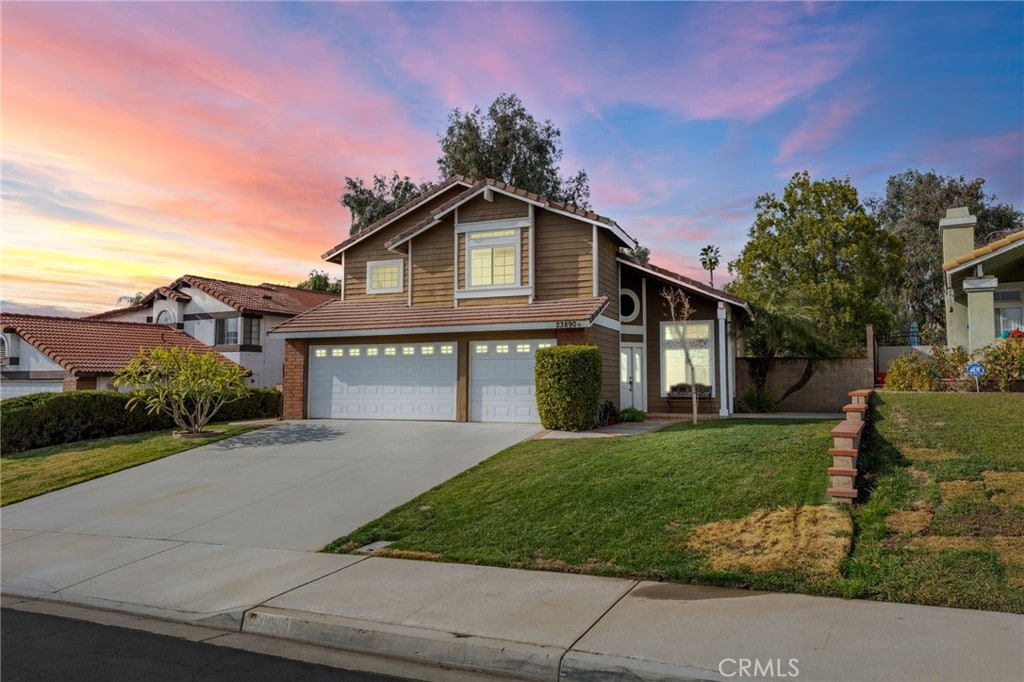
(842, 471)
(839, 492)
(847, 429)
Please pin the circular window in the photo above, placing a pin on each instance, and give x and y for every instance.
(165, 317)
(629, 305)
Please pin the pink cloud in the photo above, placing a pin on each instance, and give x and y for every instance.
(821, 128)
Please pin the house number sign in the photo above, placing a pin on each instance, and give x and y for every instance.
(566, 324)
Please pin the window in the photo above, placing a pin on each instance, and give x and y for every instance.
(250, 331)
(1008, 310)
(384, 276)
(408, 350)
(165, 317)
(3, 350)
(426, 350)
(371, 352)
(674, 370)
(522, 348)
(354, 352)
(390, 350)
(320, 353)
(447, 349)
(492, 258)
(629, 305)
(227, 332)
(337, 352)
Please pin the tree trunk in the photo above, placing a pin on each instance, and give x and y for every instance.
(801, 382)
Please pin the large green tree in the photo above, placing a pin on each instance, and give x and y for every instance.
(319, 280)
(504, 143)
(813, 254)
(913, 204)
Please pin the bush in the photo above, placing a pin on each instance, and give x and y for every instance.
(42, 419)
(1003, 362)
(631, 414)
(756, 400)
(568, 380)
(608, 414)
(910, 372)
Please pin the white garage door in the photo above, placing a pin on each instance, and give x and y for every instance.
(501, 380)
(10, 389)
(383, 381)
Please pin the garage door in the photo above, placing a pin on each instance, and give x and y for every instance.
(10, 389)
(383, 381)
(501, 380)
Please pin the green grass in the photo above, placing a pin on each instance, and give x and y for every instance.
(34, 472)
(919, 441)
(614, 506)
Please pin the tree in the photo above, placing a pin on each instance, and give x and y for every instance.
(680, 309)
(187, 386)
(508, 144)
(319, 280)
(131, 299)
(710, 257)
(641, 254)
(814, 267)
(913, 204)
(384, 196)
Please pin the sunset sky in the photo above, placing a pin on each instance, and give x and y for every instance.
(145, 141)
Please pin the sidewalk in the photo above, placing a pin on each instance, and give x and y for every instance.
(523, 624)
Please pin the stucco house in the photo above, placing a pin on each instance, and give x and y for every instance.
(52, 354)
(446, 300)
(230, 317)
(984, 284)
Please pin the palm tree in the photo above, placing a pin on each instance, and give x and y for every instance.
(133, 299)
(709, 259)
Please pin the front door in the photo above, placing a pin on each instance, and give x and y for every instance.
(632, 392)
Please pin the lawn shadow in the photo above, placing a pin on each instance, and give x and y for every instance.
(281, 434)
(877, 454)
(711, 424)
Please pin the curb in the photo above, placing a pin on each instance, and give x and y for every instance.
(445, 649)
(579, 666)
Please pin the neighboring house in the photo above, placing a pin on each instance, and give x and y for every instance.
(984, 285)
(54, 354)
(445, 301)
(231, 318)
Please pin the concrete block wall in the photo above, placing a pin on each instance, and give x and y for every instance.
(846, 441)
(827, 391)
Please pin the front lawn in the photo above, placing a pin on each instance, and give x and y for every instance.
(623, 506)
(944, 524)
(34, 472)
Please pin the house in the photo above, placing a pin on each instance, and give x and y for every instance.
(53, 354)
(445, 301)
(984, 285)
(230, 317)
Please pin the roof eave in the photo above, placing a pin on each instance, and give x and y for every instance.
(709, 292)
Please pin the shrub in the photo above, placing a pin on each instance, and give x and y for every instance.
(42, 419)
(568, 380)
(910, 372)
(608, 414)
(756, 399)
(1003, 362)
(631, 414)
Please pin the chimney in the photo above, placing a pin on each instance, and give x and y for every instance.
(957, 233)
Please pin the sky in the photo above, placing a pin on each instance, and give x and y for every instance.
(144, 141)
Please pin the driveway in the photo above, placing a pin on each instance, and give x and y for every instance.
(297, 485)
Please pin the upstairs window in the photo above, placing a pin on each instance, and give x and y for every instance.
(165, 317)
(227, 332)
(250, 331)
(492, 258)
(384, 277)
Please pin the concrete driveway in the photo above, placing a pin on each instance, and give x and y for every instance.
(297, 485)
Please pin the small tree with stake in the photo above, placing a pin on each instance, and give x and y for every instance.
(188, 387)
(680, 309)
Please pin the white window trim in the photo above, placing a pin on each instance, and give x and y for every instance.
(491, 291)
(488, 225)
(1003, 305)
(636, 305)
(711, 354)
(515, 241)
(166, 311)
(383, 263)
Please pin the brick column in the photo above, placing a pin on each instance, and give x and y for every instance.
(846, 445)
(71, 384)
(296, 372)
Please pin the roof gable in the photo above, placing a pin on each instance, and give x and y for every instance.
(687, 283)
(87, 347)
(999, 247)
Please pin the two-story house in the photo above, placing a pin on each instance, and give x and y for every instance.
(446, 300)
(232, 318)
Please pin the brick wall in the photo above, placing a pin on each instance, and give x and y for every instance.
(827, 391)
(83, 384)
(295, 371)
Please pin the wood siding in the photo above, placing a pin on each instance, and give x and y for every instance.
(607, 340)
(493, 300)
(479, 209)
(524, 257)
(433, 266)
(564, 259)
(608, 272)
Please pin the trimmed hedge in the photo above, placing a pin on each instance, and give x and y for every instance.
(42, 419)
(568, 380)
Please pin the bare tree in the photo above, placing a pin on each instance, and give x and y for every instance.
(680, 309)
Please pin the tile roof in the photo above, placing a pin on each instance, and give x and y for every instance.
(397, 213)
(675, 277)
(985, 250)
(92, 347)
(273, 299)
(515, 191)
(116, 311)
(345, 316)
